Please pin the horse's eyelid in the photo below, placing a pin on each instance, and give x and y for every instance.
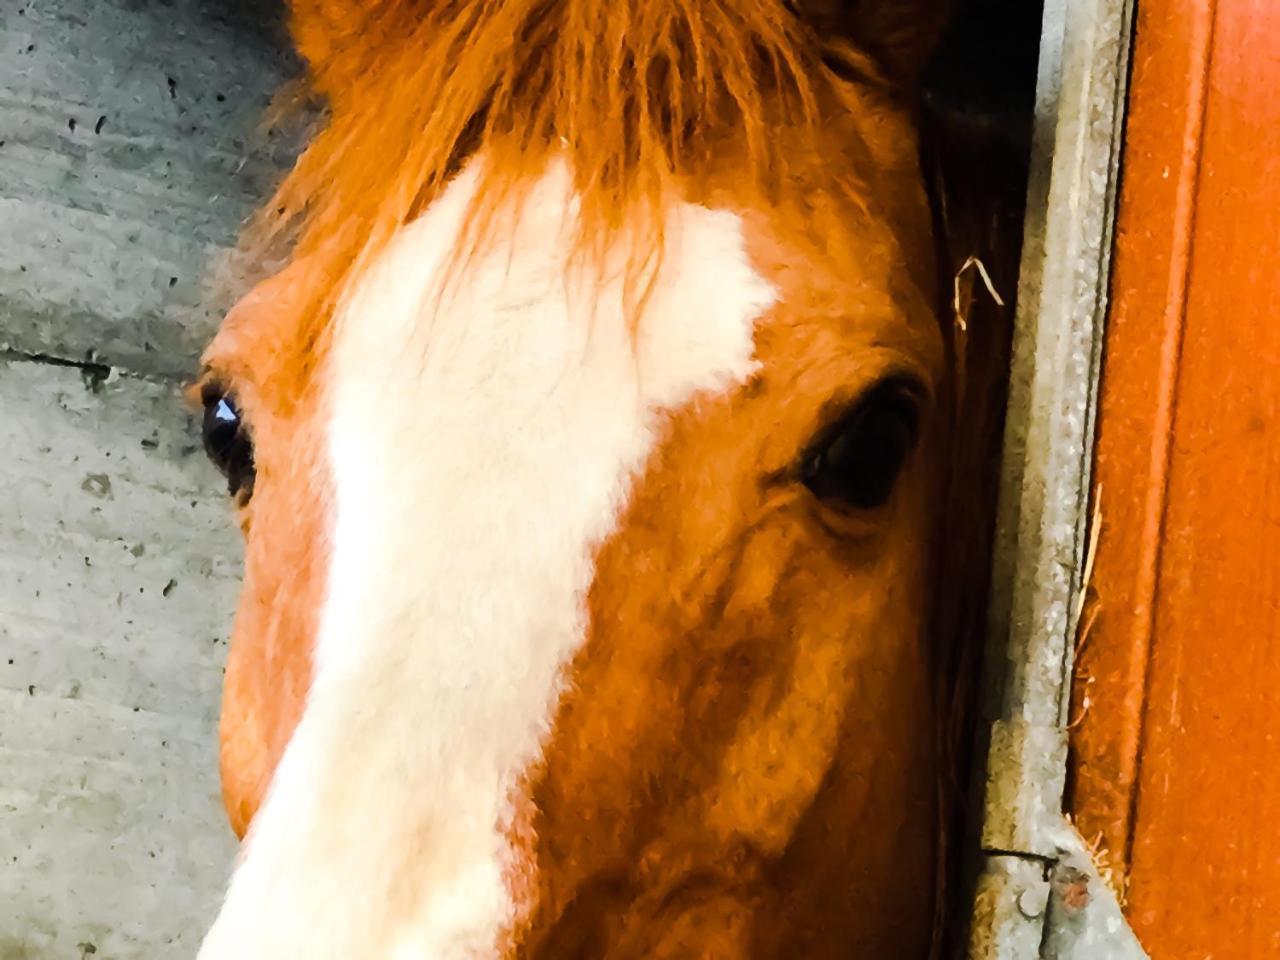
(908, 382)
(210, 386)
(899, 381)
(193, 391)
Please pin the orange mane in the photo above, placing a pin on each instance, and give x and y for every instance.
(643, 97)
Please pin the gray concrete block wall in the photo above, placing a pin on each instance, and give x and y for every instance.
(131, 153)
(118, 571)
(128, 160)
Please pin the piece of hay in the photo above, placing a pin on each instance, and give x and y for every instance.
(972, 263)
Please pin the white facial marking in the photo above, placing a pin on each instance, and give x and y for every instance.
(482, 447)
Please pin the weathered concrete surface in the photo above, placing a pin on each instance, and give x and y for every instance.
(131, 149)
(118, 575)
(128, 159)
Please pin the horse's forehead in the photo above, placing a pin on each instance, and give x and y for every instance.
(862, 289)
(529, 293)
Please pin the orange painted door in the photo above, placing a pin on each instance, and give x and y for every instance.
(1176, 729)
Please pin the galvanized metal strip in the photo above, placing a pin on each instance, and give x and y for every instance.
(1084, 920)
(1042, 518)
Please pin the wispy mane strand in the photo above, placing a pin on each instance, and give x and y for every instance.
(640, 94)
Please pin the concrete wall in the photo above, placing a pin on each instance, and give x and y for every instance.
(128, 158)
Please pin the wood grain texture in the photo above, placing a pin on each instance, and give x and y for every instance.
(1176, 750)
(1139, 379)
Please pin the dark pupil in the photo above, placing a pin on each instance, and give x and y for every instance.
(859, 460)
(226, 441)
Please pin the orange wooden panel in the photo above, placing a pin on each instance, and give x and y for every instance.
(1177, 697)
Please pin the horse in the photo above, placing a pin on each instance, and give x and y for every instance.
(591, 452)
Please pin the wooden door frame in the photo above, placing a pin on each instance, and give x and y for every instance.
(1176, 722)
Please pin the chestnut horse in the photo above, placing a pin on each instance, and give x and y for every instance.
(589, 454)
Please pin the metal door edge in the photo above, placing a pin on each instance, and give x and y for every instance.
(1038, 894)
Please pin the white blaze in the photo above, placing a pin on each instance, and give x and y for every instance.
(482, 448)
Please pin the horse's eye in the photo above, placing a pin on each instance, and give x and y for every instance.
(227, 441)
(858, 459)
